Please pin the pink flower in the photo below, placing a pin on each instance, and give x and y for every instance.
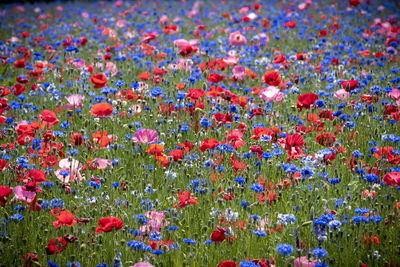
(163, 19)
(342, 94)
(155, 223)
(145, 136)
(102, 164)
(239, 72)
(142, 264)
(271, 93)
(79, 63)
(231, 60)
(395, 94)
(22, 195)
(304, 262)
(112, 68)
(244, 10)
(74, 101)
(182, 43)
(73, 166)
(237, 39)
(121, 23)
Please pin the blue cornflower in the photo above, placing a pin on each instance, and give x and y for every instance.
(372, 178)
(285, 249)
(257, 187)
(259, 233)
(319, 253)
(306, 172)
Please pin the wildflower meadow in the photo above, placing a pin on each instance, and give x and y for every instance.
(200, 133)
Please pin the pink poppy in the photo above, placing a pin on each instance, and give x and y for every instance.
(142, 264)
(395, 94)
(342, 94)
(239, 72)
(303, 262)
(155, 223)
(237, 39)
(182, 43)
(145, 136)
(271, 93)
(102, 164)
(73, 167)
(74, 101)
(22, 195)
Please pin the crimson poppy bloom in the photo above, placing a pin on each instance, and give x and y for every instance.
(20, 64)
(107, 224)
(392, 178)
(306, 101)
(272, 78)
(5, 192)
(56, 245)
(218, 235)
(227, 264)
(215, 78)
(326, 139)
(349, 85)
(18, 89)
(99, 80)
(212, 143)
(101, 110)
(290, 24)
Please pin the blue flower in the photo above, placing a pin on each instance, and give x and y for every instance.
(257, 187)
(319, 253)
(285, 249)
(372, 178)
(259, 233)
(306, 172)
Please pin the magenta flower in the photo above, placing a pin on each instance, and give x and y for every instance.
(239, 72)
(145, 136)
(342, 94)
(74, 101)
(237, 39)
(73, 167)
(22, 195)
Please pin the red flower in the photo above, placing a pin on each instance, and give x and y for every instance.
(5, 192)
(99, 80)
(391, 112)
(37, 176)
(215, 78)
(101, 110)
(218, 235)
(227, 264)
(212, 143)
(29, 258)
(76, 139)
(18, 89)
(294, 140)
(177, 154)
(349, 85)
(290, 24)
(144, 76)
(64, 218)
(306, 101)
(3, 164)
(272, 78)
(107, 224)
(195, 93)
(326, 139)
(56, 245)
(49, 117)
(20, 64)
(187, 51)
(392, 178)
(185, 199)
(279, 59)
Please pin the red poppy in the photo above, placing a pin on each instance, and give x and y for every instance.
(349, 85)
(391, 112)
(388, 153)
(227, 264)
(99, 80)
(3, 164)
(294, 140)
(326, 139)
(56, 245)
(107, 224)
(215, 78)
(64, 218)
(145, 76)
(212, 143)
(195, 93)
(5, 192)
(29, 258)
(218, 235)
(101, 110)
(306, 101)
(279, 59)
(187, 51)
(177, 154)
(37, 176)
(76, 139)
(185, 199)
(18, 89)
(20, 64)
(290, 24)
(392, 178)
(49, 117)
(272, 78)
